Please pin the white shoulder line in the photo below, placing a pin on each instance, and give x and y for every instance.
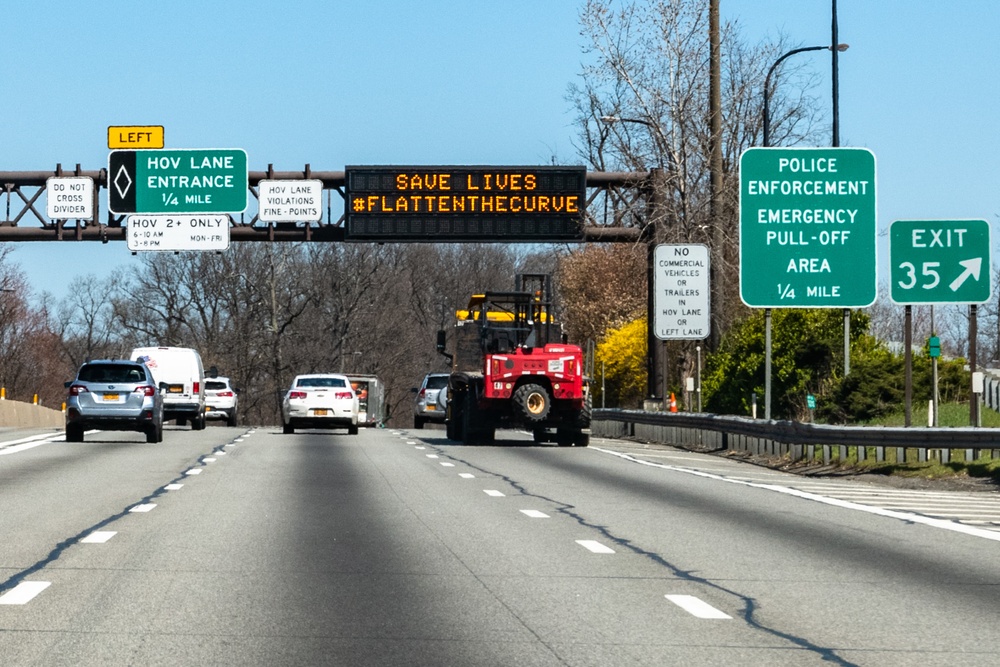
(844, 504)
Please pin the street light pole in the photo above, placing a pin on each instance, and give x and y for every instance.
(767, 143)
(654, 351)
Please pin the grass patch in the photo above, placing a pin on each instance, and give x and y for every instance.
(983, 467)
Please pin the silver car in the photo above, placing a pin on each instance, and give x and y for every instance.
(114, 395)
(432, 400)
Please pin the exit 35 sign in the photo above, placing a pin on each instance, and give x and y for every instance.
(940, 261)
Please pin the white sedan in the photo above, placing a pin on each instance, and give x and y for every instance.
(320, 401)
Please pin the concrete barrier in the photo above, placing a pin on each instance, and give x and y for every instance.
(27, 415)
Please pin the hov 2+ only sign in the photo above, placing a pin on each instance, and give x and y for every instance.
(209, 180)
(681, 292)
(940, 261)
(807, 228)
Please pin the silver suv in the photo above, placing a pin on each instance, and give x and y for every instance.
(114, 395)
(432, 400)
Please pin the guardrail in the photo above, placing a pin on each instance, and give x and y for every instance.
(795, 440)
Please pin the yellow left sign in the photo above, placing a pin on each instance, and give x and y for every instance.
(135, 136)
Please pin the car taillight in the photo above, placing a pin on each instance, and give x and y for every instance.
(76, 390)
(296, 394)
(147, 390)
(225, 393)
(423, 393)
(343, 394)
(197, 386)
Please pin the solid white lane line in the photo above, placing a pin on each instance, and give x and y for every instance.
(173, 487)
(844, 504)
(24, 592)
(193, 471)
(696, 607)
(146, 507)
(595, 546)
(446, 464)
(535, 514)
(494, 493)
(466, 475)
(99, 537)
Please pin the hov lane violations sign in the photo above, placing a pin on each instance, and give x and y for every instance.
(290, 201)
(807, 228)
(177, 232)
(940, 261)
(681, 292)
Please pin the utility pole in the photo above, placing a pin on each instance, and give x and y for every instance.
(717, 270)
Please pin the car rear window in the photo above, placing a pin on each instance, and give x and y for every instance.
(212, 384)
(437, 381)
(321, 382)
(111, 373)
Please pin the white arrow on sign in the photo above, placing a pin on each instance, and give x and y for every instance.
(972, 268)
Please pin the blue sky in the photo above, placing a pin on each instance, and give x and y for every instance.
(332, 83)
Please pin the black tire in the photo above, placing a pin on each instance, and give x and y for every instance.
(288, 429)
(74, 433)
(352, 430)
(582, 440)
(532, 403)
(539, 436)
(198, 423)
(152, 434)
(582, 419)
(565, 437)
(232, 420)
(471, 429)
(418, 422)
(453, 424)
(181, 421)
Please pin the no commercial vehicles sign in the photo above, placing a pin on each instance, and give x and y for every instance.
(681, 292)
(807, 228)
(940, 261)
(210, 180)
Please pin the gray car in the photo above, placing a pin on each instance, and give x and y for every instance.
(432, 400)
(114, 395)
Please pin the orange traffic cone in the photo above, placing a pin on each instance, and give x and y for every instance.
(673, 402)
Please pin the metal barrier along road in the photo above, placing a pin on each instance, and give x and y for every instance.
(795, 440)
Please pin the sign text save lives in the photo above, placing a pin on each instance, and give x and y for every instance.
(178, 181)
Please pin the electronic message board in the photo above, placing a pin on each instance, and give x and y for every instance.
(434, 204)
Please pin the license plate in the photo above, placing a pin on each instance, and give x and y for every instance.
(176, 389)
(110, 397)
(431, 407)
(319, 413)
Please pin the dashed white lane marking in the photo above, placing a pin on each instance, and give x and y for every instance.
(173, 487)
(193, 471)
(696, 607)
(494, 493)
(431, 456)
(238, 440)
(595, 546)
(844, 504)
(209, 460)
(466, 475)
(220, 453)
(231, 444)
(411, 442)
(419, 447)
(24, 592)
(99, 537)
(535, 514)
(446, 464)
(145, 507)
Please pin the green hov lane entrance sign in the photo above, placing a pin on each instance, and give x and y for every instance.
(940, 261)
(210, 180)
(807, 228)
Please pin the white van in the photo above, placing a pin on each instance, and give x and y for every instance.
(179, 373)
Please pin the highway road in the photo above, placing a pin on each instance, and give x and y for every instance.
(243, 546)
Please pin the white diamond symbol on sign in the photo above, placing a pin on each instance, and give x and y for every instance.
(122, 177)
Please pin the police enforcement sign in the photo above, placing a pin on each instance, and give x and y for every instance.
(807, 228)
